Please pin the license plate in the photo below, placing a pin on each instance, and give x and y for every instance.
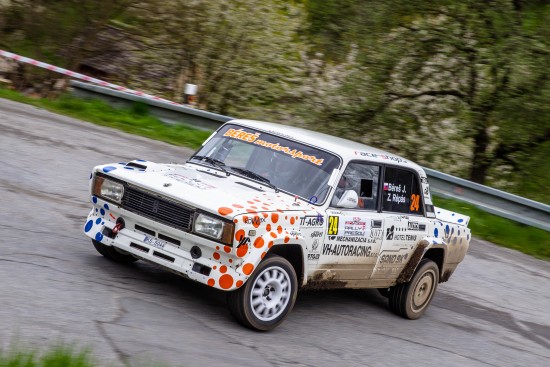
(154, 242)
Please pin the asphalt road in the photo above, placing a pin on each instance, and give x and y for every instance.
(55, 288)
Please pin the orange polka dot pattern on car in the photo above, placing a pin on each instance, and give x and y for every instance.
(260, 224)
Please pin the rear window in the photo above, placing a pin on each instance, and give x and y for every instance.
(401, 192)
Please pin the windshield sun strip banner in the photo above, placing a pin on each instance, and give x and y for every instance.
(253, 138)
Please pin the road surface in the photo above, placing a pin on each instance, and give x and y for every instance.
(55, 288)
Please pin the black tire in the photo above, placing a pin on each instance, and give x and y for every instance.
(246, 302)
(112, 254)
(410, 300)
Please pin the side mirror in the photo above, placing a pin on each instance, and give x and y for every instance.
(348, 200)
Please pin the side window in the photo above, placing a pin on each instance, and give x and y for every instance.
(363, 179)
(402, 193)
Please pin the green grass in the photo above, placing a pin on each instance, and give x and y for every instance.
(501, 231)
(55, 357)
(135, 120)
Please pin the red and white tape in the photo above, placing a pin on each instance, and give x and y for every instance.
(86, 78)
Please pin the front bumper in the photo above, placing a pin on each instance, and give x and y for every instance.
(217, 266)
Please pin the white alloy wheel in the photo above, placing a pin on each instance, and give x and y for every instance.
(267, 297)
(270, 293)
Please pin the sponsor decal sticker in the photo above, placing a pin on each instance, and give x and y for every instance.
(242, 135)
(315, 246)
(376, 233)
(393, 259)
(313, 258)
(255, 220)
(404, 237)
(355, 227)
(253, 138)
(314, 255)
(190, 181)
(244, 241)
(312, 221)
(415, 226)
(427, 192)
(347, 250)
(316, 234)
(381, 156)
(389, 233)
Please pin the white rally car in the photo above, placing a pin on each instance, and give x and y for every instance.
(261, 210)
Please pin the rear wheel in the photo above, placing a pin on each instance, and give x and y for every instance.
(410, 300)
(113, 254)
(267, 297)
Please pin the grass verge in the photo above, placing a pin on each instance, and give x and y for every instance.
(135, 120)
(501, 231)
(56, 357)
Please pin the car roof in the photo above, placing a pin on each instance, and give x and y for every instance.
(347, 149)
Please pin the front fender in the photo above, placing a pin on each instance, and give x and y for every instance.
(255, 251)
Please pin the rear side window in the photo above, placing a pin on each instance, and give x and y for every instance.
(401, 192)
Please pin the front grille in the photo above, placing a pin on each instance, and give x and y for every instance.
(157, 208)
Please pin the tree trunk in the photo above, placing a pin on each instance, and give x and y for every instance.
(480, 162)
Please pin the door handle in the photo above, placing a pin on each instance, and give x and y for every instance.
(376, 224)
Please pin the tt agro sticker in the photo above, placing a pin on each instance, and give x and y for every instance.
(312, 221)
(190, 181)
(254, 138)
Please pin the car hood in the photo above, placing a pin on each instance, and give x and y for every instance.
(205, 188)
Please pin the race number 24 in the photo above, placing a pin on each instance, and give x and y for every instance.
(415, 203)
(332, 225)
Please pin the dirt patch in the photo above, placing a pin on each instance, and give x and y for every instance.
(324, 280)
(409, 269)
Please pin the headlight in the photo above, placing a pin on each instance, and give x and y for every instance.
(214, 228)
(108, 189)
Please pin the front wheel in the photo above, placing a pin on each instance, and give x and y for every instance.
(267, 297)
(112, 254)
(410, 300)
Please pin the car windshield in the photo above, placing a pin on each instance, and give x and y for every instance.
(283, 164)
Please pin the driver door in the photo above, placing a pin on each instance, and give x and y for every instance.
(354, 234)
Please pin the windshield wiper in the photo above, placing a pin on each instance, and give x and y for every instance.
(215, 162)
(253, 175)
